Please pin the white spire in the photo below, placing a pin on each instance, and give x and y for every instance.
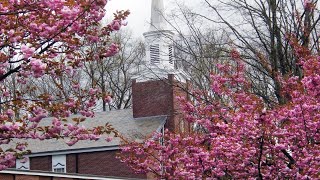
(157, 20)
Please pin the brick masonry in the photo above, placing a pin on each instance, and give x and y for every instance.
(31, 177)
(72, 163)
(6, 176)
(42, 163)
(158, 97)
(102, 163)
(27, 177)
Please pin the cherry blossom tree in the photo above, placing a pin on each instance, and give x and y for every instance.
(238, 136)
(42, 39)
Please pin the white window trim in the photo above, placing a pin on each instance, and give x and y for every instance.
(23, 164)
(59, 161)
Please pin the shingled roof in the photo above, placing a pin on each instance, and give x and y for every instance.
(121, 120)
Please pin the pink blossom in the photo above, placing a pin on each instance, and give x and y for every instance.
(108, 99)
(27, 51)
(108, 139)
(39, 114)
(112, 50)
(71, 142)
(239, 135)
(6, 94)
(115, 25)
(93, 91)
(10, 113)
(46, 33)
(20, 147)
(38, 67)
(76, 86)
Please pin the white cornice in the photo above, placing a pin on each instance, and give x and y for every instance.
(158, 72)
(73, 151)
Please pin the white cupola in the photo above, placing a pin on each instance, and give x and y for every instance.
(159, 59)
(159, 41)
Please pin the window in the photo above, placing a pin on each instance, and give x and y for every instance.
(59, 170)
(155, 53)
(59, 163)
(23, 164)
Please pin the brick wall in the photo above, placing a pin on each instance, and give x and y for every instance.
(50, 178)
(6, 176)
(177, 117)
(158, 97)
(25, 177)
(151, 98)
(43, 163)
(102, 163)
(31, 177)
(71, 163)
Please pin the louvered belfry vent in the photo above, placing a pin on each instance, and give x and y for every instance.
(159, 41)
(170, 55)
(155, 53)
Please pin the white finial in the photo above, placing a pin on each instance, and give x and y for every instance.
(157, 20)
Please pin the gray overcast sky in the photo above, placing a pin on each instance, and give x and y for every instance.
(139, 19)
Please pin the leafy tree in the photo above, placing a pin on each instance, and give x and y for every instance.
(42, 39)
(239, 136)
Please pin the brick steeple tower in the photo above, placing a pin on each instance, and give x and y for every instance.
(155, 89)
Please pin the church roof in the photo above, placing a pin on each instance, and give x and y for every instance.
(122, 120)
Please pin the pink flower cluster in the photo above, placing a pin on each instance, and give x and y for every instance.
(112, 50)
(7, 160)
(239, 137)
(27, 51)
(38, 114)
(115, 25)
(38, 68)
(3, 67)
(46, 42)
(108, 99)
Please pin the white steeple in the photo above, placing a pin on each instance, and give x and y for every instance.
(157, 20)
(159, 48)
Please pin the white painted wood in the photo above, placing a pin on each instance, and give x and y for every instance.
(59, 162)
(23, 164)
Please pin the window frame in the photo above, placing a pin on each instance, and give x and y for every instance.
(59, 162)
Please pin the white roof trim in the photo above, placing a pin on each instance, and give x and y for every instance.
(158, 72)
(73, 151)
